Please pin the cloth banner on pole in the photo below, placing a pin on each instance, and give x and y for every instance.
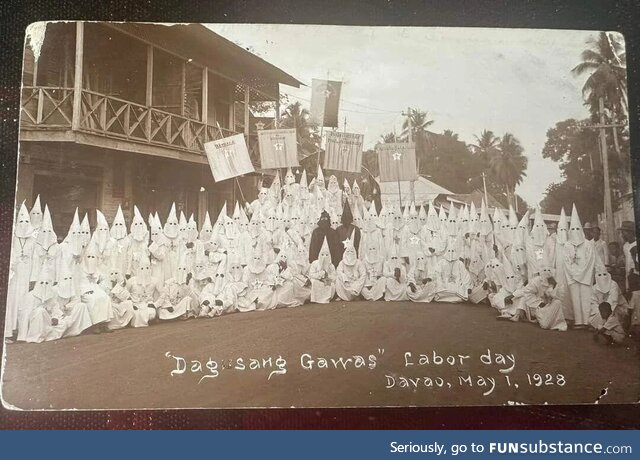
(397, 161)
(228, 157)
(325, 101)
(278, 148)
(343, 151)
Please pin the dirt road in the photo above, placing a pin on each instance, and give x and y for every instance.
(484, 362)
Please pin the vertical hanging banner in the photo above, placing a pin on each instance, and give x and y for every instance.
(278, 148)
(397, 161)
(228, 157)
(325, 102)
(343, 152)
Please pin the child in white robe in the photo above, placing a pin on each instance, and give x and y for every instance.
(301, 281)
(116, 287)
(236, 288)
(510, 283)
(454, 282)
(322, 274)
(174, 300)
(375, 283)
(422, 284)
(351, 273)
(285, 284)
(76, 314)
(91, 292)
(395, 274)
(604, 290)
(143, 289)
(260, 278)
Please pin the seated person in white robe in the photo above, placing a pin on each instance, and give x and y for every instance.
(217, 256)
(395, 273)
(301, 281)
(91, 293)
(422, 283)
(44, 317)
(491, 283)
(375, 284)
(236, 288)
(76, 314)
(197, 281)
(476, 274)
(504, 300)
(540, 300)
(215, 298)
(261, 279)
(285, 285)
(143, 289)
(454, 282)
(605, 290)
(322, 274)
(351, 273)
(174, 299)
(116, 287)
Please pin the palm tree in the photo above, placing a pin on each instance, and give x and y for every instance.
(388, 138)
(486, 145)
(605, 60)
(508, 164)
(451, 134)
(419, 123)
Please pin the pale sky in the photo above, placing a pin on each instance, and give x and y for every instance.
(468, 79)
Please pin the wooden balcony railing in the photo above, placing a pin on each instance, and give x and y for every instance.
(117, 118)
(46, 107)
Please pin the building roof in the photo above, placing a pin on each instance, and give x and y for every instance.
(476, 197)
(424, 190)
(207, 48)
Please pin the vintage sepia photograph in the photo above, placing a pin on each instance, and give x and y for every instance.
(281, 215)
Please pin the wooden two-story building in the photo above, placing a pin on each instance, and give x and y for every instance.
(117, 114)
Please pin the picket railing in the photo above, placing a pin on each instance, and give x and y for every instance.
(110, 116)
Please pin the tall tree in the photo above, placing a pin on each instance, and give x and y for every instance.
(486, 145)
(419, 123)
(605, 62)
(388, 138)
(509, 165)
(296, 116)
(450, 133)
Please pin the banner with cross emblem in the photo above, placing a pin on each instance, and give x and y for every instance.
(278, 148)
(343, 152)
(228, 157)
(397, 161)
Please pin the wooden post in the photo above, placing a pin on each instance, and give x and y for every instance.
(149, 91)
(484, 183)
(77, 81)
(608, 205)
(412, 184)
(183, 88)
(205, 97)
(246, 113)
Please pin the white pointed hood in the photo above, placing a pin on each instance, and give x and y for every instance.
(23, 227)
(346, 188)
(119, 227)
(355, 189)
(191, 234)
(576, 233)
(85, 229)
(102, 234)
(43, 289)
(562, 231)
(289, 178)
(46, 236)
(36, 214)
(484, 224)
(602, 276)
(303, 179)
(171, 224)
(539, 230)
(139, 230)
(433, 222)
(207, 229)
(74, 236)
(320, 179)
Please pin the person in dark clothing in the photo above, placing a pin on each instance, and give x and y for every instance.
(317, 238)
(345, 230)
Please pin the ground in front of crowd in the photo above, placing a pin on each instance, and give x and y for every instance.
(393, 354)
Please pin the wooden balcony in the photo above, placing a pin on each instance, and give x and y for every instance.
(51, 109)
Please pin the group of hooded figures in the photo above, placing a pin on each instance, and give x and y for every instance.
(297, 243)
